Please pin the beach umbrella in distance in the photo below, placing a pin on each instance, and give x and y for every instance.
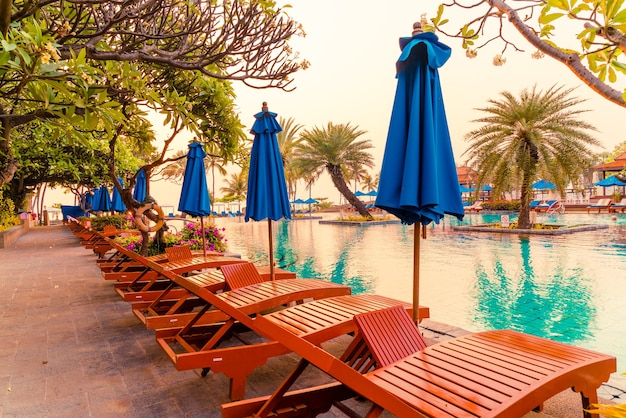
(359, 193)
(464, 189)
(139, 192)
(418, 179)
(117, 204)
(543, 185)
(267, 190)
(609, 181)
(194, 196)
(372, 193)
(310, 201)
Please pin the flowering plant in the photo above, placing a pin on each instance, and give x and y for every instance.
(190, 235)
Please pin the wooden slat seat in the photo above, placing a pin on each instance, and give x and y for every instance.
(488, 374)
(250, 300)
(317, 321)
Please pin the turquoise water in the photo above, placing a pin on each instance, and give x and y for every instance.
(570, 288)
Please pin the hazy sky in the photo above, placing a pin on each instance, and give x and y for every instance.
(353, 46)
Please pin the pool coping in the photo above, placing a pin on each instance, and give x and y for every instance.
(566, 230)
(360, 223)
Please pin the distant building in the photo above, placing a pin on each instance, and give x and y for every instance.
(613, 167)
(466, 176)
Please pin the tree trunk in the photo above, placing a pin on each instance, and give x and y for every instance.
(8, 163)
(340, 184)
(523, 221)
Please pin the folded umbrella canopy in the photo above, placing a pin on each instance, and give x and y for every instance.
(117, 204)
(267, 190)
(418, 179)
(102, 200)
(139, 192)
(194, 196)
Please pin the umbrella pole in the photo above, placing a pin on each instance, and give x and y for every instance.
(269, 227)
(416, 271)
(203, 236)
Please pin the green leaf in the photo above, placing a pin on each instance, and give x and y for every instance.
(8, 46)
(545, 19)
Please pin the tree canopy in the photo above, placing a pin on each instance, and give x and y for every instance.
(587, 36)
(79, 65)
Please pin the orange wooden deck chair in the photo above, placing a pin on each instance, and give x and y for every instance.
(316, 321)
(487, 374)
(143, 273)
(247, 290)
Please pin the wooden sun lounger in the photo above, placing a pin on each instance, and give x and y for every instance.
(317, 321)
(181, 265)
(142, 289)
(599, 205)
(250, 299)
(487, 374)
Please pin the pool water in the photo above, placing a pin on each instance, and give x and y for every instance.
(570, 288)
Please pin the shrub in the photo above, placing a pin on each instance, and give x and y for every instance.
(191, 235)
(512, 205)
(121, 221)
(8, 217)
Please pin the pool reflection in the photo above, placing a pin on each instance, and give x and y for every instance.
(569, 288)
(557, 305)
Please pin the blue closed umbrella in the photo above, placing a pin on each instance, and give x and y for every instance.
(139, 192)
(267, 190)
(87, 201)
(117, 204)
(418, 179)
(194, 196)
(102, 200)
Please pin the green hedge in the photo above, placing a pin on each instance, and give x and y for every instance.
(8, 217)
(502, 205)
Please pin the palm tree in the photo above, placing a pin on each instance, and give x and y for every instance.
(537, 134)
(334, 148)
(369, 182)
(287, 142)
(236, 186)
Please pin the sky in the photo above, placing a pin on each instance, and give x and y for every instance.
(352, 46)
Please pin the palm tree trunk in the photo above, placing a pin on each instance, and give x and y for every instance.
(523, 222)
(340, 184)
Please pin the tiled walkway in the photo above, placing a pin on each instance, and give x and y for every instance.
(70, 347)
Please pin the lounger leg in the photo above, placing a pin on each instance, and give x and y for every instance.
(273, 400)
(588, 400)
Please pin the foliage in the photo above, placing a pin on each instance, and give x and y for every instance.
(592, 48)
(522, 138)
(86, 68)
(359, 218)
(8, 218)
(337, 149)
(512, 205)
(191, 235)
(608, 411)
(121, 221)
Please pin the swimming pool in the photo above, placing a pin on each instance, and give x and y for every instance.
(570, 288)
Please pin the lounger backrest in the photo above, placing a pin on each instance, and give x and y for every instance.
(390, 334)
(109, 230)
(603, 202)
(241, 275)
(182, 252)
